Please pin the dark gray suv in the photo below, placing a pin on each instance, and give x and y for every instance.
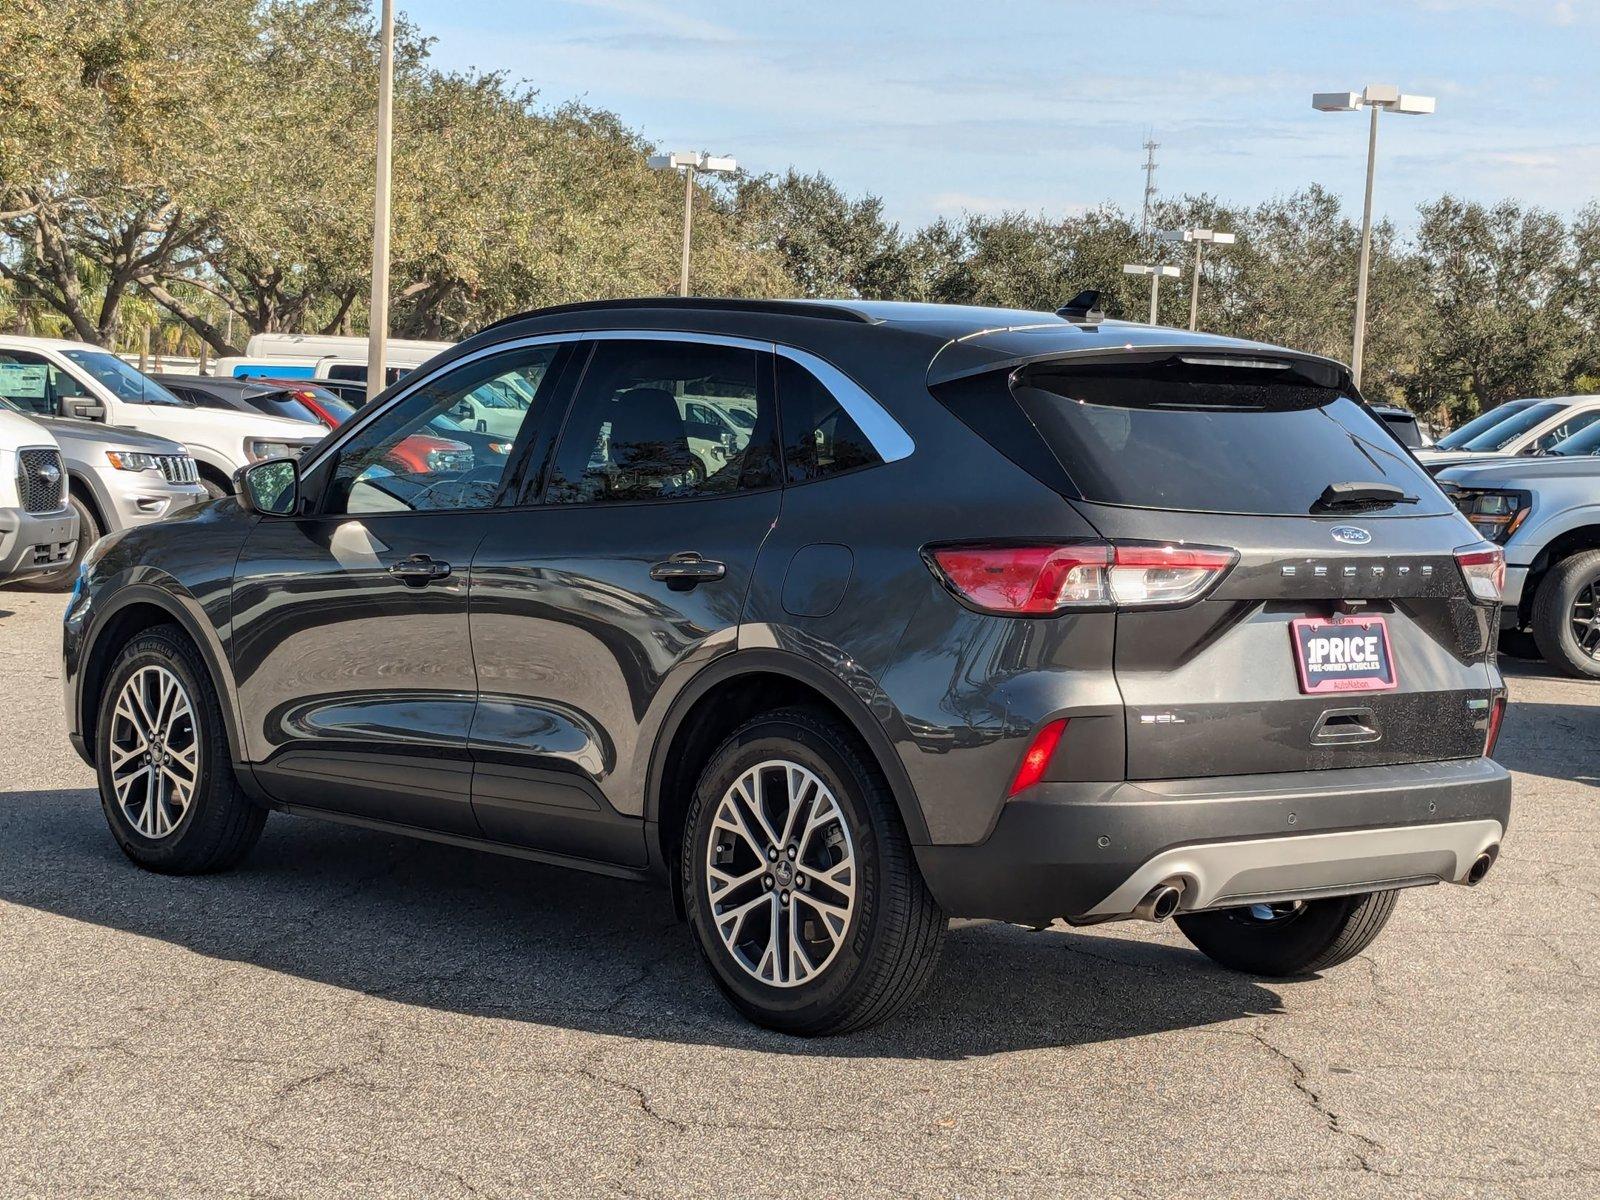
(839, 619)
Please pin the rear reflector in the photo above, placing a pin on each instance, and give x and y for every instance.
(1497, 714)
(1037, 758)
(1484, 569)
(1042, 579)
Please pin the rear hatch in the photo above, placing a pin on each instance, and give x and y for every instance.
(1344, 634)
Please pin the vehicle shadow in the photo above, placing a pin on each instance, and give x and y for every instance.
(424, 924)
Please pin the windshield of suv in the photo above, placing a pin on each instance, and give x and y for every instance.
(124, 382)
(1204, 438)
(1503, 433)
(1457, 438)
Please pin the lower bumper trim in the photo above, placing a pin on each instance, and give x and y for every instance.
(1220, 874)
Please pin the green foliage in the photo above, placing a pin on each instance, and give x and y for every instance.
(203, 171)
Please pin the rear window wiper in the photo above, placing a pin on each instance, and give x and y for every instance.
(1341, 497)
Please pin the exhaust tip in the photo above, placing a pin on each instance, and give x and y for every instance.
(1160, 903)
(1480, 866)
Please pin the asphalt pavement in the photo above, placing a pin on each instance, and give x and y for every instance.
(353, 1014)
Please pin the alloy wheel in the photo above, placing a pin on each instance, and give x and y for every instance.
(1585, 618)
(155, 751)
(781, 873)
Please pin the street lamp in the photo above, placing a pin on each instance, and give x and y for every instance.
(690, 161)
(378, 309)
(1157, 274)
(1199, 237)
(1376, 96)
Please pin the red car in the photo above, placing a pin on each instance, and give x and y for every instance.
(418, 454)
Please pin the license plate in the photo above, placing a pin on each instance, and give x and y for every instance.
(1347, 655)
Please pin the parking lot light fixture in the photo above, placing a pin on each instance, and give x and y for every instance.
(690, 161)
(1377, 97)
(1157, 273)
(1199, 237)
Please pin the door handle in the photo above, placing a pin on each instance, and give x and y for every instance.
(686, 569)
(419, 570)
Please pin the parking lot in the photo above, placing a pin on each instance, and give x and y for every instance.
(355, 1014)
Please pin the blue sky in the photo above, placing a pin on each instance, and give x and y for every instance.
(942, 107)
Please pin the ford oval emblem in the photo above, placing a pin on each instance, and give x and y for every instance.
(1351, 535)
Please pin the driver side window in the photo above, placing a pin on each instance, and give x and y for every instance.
(426, 454)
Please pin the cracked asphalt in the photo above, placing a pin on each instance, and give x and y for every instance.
(352, 1014)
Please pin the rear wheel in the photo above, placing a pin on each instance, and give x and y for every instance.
(1566, 615)
(801, 887)
(1296, 938)
(61, 578)
(166, 778)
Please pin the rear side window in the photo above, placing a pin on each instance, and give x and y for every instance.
(1212, 438)
(819, 437)
(653, 420)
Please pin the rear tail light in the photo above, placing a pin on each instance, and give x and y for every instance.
(1484, 569)
(1497, 714)
(1037, 580)
(1034, 762)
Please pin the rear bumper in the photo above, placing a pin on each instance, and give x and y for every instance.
(1511, 595)
(1229, 840)
(32, 542)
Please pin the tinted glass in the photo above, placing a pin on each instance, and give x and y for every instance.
(1458, 438)
(405, 460)
(281, 404)
(1208, 439)
(819, 437)
(124, 382)
(1584, 442)
(650, 422)
(1575, 423)
(1499, 437)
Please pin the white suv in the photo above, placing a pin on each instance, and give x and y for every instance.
(53, 377)
(38, 529)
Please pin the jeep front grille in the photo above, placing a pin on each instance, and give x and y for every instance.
(41, 479)
(178, 468)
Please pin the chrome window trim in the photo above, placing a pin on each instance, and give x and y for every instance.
(888, 437)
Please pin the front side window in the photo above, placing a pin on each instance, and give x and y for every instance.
(120, 379)
(647, 424)
(415, 458)
(1573, 425)
(819, 437)
(26, 383)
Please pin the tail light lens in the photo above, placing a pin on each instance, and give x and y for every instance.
(1497, 714)
(1038, 580)
(1484, 569)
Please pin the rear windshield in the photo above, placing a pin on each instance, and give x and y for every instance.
(283, 404)
(1213, 439)
(1502, 434)
(1457, 439)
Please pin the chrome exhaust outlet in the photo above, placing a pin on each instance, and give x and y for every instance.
(1480, 866)
(1159, 903)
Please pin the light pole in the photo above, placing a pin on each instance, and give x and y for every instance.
(1157, 273)
(690, 161)
(1376, 96)
(1199, 237)
(378, 308)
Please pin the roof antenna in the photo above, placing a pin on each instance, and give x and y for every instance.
(1083, 309)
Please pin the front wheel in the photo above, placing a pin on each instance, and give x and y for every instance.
(1566, 615)
(166, 778)
(802, 891)
(1300, 937)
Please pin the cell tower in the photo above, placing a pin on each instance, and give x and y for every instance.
(1150, 148)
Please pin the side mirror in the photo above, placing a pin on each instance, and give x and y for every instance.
(270, 487)
(84, 410)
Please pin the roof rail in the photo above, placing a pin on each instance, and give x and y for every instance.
(788, 308)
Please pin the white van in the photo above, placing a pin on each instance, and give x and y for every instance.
(316, 356)
(53, 377)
